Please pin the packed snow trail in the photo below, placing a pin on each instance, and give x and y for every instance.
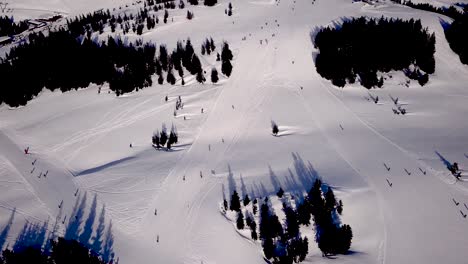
(51, 189)
(396, 217)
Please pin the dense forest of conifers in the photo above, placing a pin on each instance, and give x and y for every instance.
(62, 251)
(8, 27)
(73, 57)
(361, 47)
(456, 33)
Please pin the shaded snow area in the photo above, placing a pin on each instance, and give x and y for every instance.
(81, 179)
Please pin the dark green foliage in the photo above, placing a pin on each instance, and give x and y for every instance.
(246, 200)
(156, 140)
(170, 77)
(304, 212)
(163, 137)
(339, 208)
(226, 68)
(8, 27)
(210, 2)
(166, 16)
(189, 15)
(292, 223)
(280, 191)
(240, 220)
(456, 35)
(63, 252)
(330, 200)
(64, 63)
(235, 202)
(268, 248)
(361, 47)
(200, 78)
(226, 53)
(214, 75)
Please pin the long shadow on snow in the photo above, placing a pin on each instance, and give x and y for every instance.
(444, 160)
(32, 235)
(104, 166)
(6, 230)
(85, 235)
(444, 23)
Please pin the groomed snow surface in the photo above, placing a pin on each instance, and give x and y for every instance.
(82, 138)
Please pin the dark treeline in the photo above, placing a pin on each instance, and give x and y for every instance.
(457, 36)
(62, 61)
(283, 242)
(62, 252)
(450, 11)
(361, 47)
(59, 61)
(8, 27)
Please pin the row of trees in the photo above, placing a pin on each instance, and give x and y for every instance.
(62, 252)
(59, 61)
(361, 47)
(456, 35)
(160, 139)
(450, 11)
(332, 237)
(283, 243)
(8, 27)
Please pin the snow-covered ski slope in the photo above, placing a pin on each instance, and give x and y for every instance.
(82, 138)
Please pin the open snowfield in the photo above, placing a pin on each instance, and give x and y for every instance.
(82, 139)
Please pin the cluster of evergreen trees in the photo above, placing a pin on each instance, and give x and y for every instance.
(456, 35)
(59, 61)
(280, 244)
(8, 27)
(332, 238)
(160, 139)
(283, 243)
(208, 46)
(450, 11)
(361, 47)
(226, 57)
(62, 252)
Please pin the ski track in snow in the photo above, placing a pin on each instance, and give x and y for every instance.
(264, 86)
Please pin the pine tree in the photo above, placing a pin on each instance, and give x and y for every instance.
(166, 15)
(203, 50)
(200, 78)
(330, 200)
(155, 139)
(274, 128)
(339, 208)
(240, 220)
(253, 232)
(170, 77)
(163, 136)
(225, 204)
(268, 248)
(226, 53)
(292, 223)
(246, 200)
(226, 68)
(214, 75)
(280, 192)
(160, 79)
(235, 202)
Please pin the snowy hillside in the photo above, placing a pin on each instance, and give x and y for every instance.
(389, 170)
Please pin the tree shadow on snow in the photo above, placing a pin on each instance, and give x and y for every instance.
(444, 23)
(444, 160)
(6, 229)
(32, 235)
(104, 166)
